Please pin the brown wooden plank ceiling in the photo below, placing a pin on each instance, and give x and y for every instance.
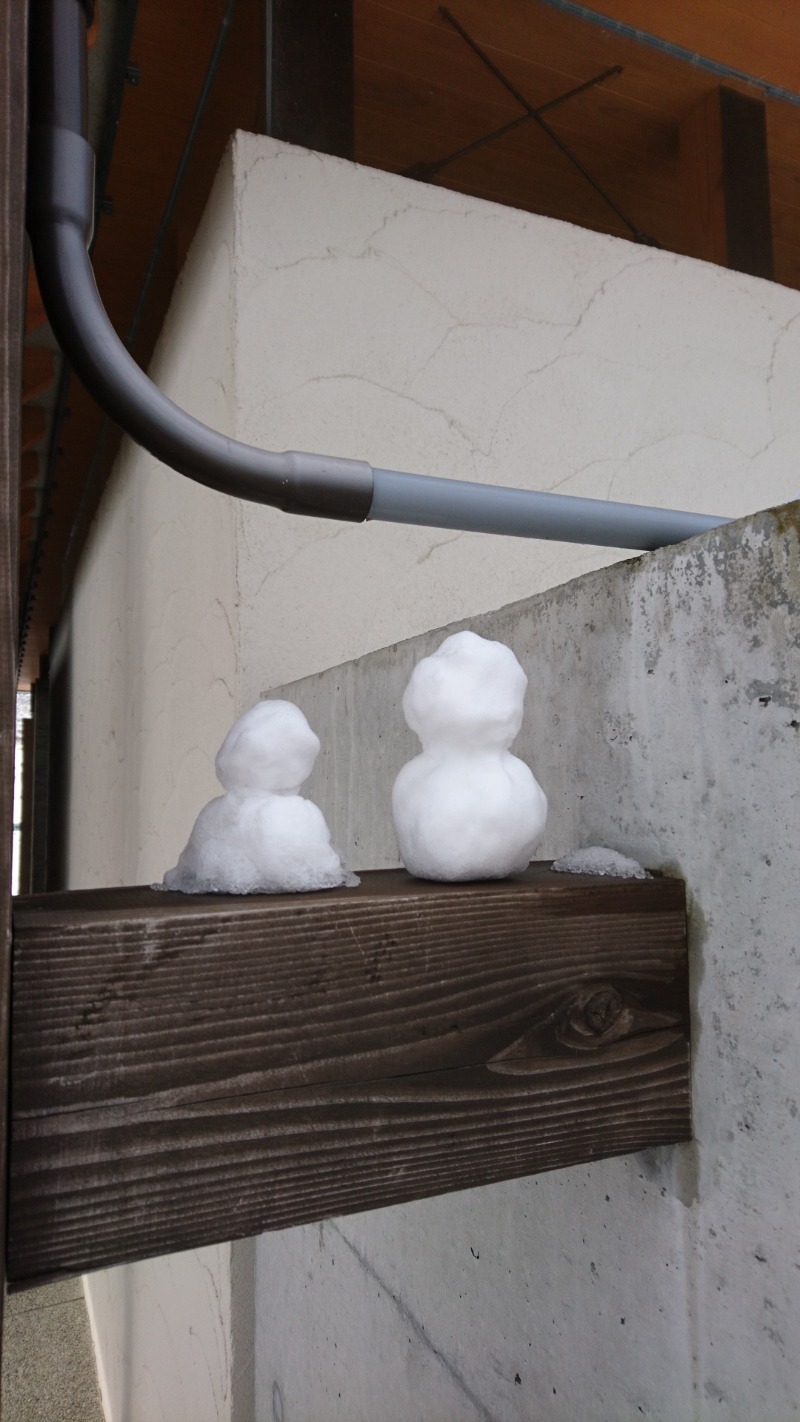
(421, 92)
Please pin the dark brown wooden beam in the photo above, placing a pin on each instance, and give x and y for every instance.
(188, 1070)
(310, 74)
(725, 181)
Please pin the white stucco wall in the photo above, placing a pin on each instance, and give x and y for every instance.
(333, 308)
(162, 1336)
(424, 330)
(663, 720)
(154, 645)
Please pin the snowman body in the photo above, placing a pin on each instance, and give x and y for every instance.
(466, 808)
(261, 836)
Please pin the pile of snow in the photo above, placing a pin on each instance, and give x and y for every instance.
(597, 860)
(465, 808)
(261, 836)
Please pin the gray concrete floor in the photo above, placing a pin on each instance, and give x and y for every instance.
(49, 1372)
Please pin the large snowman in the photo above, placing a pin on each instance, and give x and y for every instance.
(261, 836)
(465, 808)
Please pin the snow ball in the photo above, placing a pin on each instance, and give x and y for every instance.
(261, 836)
(271, 747)
(469, 693)
(465, 808)
(597, 860)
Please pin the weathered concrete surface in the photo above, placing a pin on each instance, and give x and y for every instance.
(49, 1372)
(663, 719)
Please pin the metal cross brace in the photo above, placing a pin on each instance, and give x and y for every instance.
(423, 172)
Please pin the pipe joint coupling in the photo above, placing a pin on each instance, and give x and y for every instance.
(328, 486)
(60, 179)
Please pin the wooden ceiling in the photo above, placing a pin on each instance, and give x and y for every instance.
(421, 93)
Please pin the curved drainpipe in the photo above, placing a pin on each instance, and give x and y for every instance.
(60, 216)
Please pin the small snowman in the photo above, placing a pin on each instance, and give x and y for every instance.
(465, 808)
(261, 836)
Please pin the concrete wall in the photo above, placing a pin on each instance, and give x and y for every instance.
(333, 308)
(663, 719)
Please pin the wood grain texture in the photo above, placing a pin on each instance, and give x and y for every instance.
(190, 1070)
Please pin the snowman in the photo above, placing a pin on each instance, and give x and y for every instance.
(261, 836)
(465, 808)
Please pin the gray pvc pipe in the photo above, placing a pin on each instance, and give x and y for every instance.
(486, 508)
(60, 212)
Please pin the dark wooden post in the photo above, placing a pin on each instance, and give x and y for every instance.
(310, 74)
(725, 180)
(12, 272)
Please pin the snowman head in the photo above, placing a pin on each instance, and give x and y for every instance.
(271, 747)
(468, 695)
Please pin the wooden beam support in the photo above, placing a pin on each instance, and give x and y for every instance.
(725, 181)
(188, 1070)
(310, 74)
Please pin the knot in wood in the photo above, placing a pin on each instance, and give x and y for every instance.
(594, 1018)
(602, 1010)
